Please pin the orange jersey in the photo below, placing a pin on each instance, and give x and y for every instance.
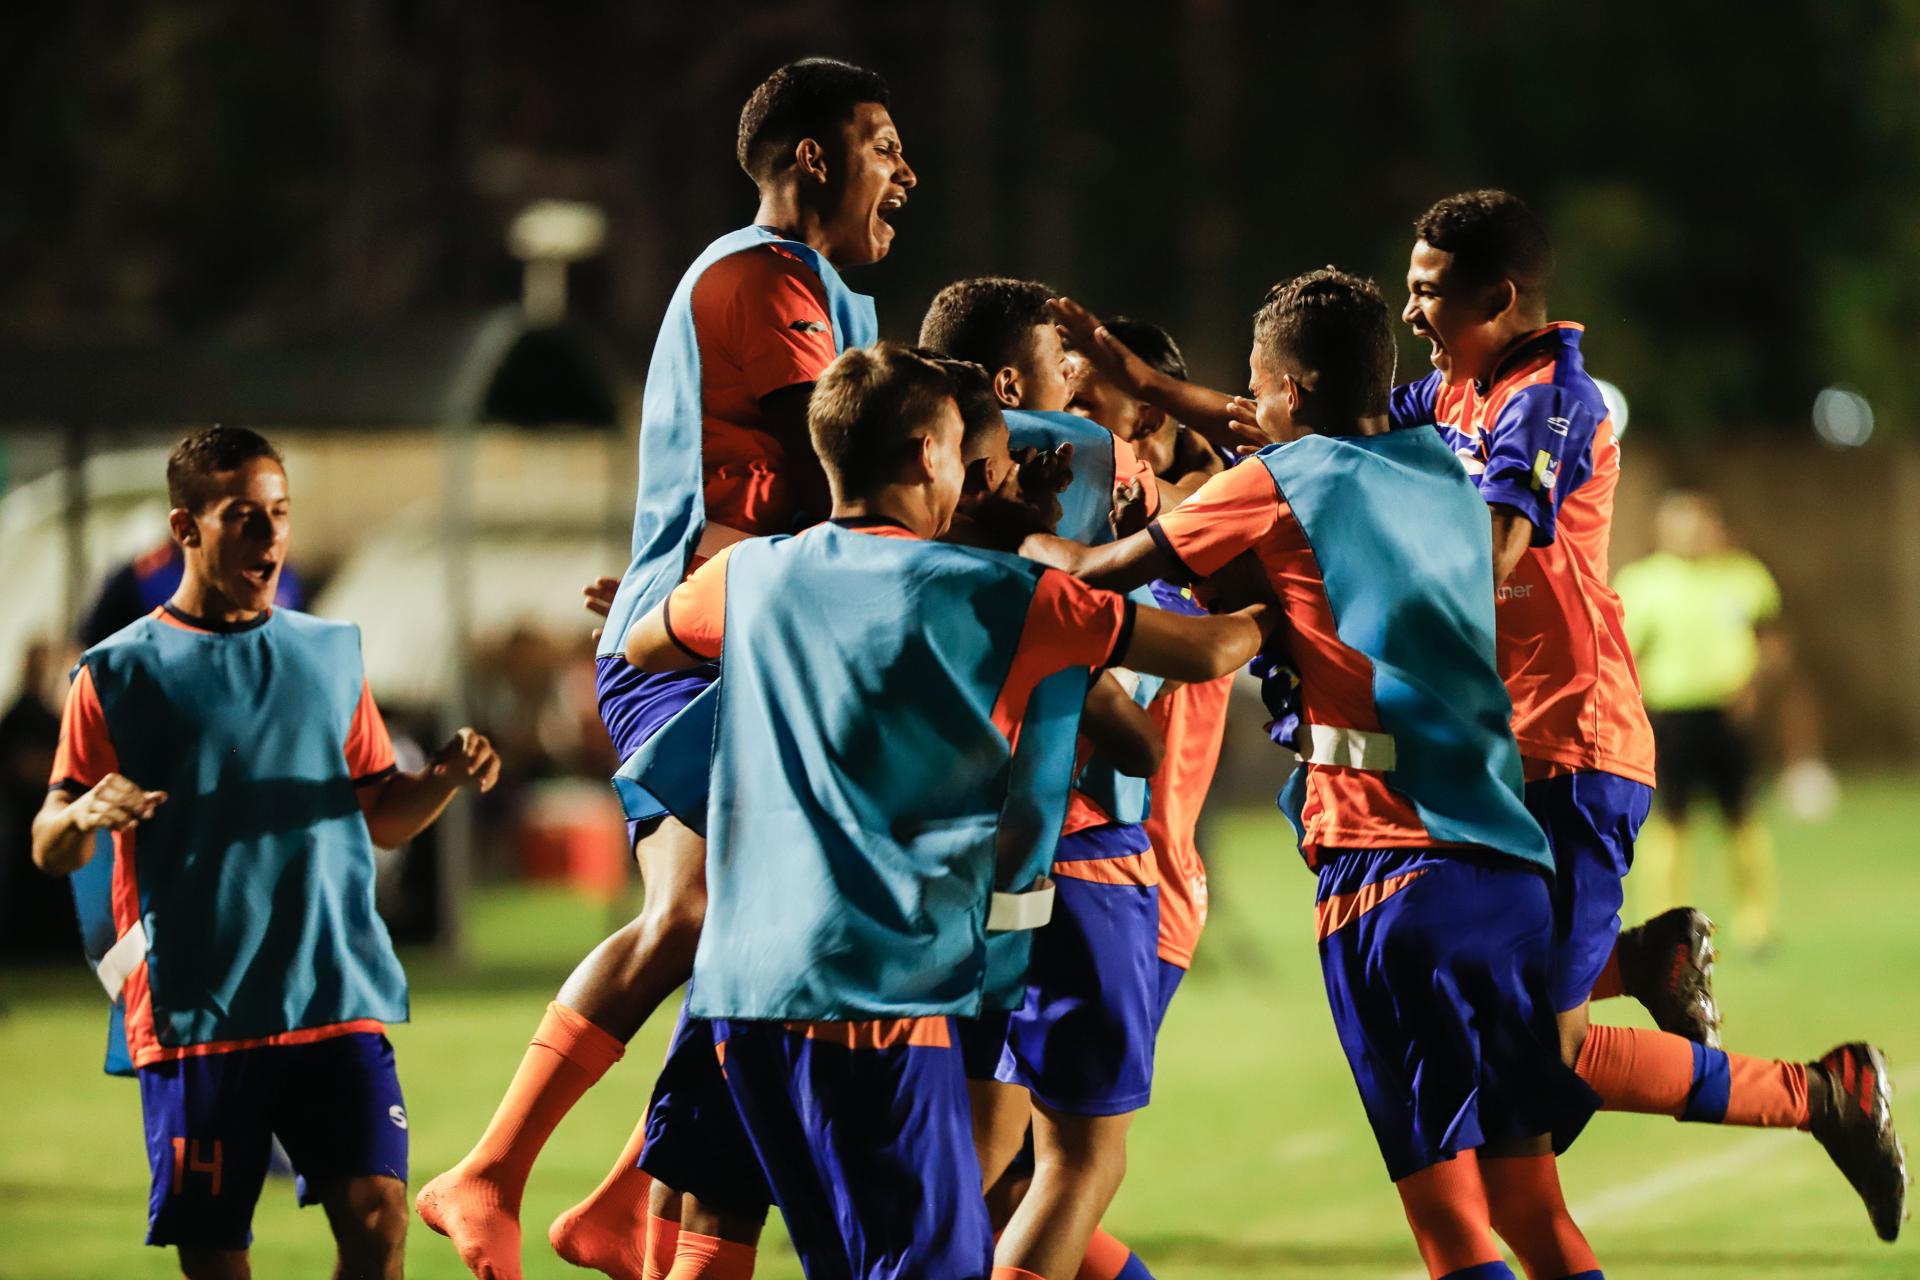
(760, 317)
(1240, 510)
(1193, 720)
(1537, 437)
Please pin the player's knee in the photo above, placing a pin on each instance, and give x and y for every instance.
(1573, 1026)
(214, 1264)
(369, 1219)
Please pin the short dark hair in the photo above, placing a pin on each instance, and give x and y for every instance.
(207, 452)
(973, 392)
(868, 408)
(1334, 325)
(803, 99)
(1492, 235)
(1151, 343)
(987, 319)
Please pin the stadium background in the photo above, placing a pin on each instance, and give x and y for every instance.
(318, 219)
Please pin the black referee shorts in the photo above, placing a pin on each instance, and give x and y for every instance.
(1706, 751)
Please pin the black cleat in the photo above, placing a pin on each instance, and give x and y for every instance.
(1854, 1122)
(1666, 963)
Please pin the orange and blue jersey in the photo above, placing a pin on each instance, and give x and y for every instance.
(1378, 552)
(1536, 436)
(885, 820)
(243, 909)
(1192, 719)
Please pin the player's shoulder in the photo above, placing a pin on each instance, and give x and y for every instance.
(307, 624)
(760, 267)
(1549, 365)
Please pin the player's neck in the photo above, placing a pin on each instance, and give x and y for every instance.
(782, 211)
(198, 598)
(904, 507)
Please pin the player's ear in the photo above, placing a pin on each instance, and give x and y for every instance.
(1006, 386)
(186, 530)
(811, 159)
(1502, 297)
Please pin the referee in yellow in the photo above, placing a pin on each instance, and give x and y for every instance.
(1701, 618)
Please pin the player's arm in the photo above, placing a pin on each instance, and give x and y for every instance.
(784, 415)
(686, 629)
(63, 829)
(1512, 535)
(87, 792)
(1214, 414)
(1118, 566)
(1195, 650)
(781, 335)
(1120, 729)
(400, 805)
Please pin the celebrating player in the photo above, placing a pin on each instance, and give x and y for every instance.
(236, 754)
(863, 876)
(1433, 914)
(723, 456)
(1511, 396)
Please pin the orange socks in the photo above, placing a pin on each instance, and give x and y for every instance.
(663, 1244)
(1661, 1074)
(1015, 1273)
(476, 1204)
(1110, 1259)
(711, 1258)
(1529, 1212)
(1447, 1208)
(607, 1231)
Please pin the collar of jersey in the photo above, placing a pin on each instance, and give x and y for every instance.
(1525, 343)
(873, 523)
(214, 625)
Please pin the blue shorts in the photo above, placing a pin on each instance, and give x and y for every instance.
(1439, 973)
(981, 1039)
(1591, 820)
(334, 1104)
(1082, 1042)
(694, 1140)
(869, 1151)
(634, 704)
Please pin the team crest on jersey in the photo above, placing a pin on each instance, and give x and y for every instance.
(808, 326)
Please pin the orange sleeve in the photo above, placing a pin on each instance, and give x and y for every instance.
(1068, 624)
(771, 311)
(85, 754)
(1227, 515)
(695, 613)
(369, 746)
(1128, 468)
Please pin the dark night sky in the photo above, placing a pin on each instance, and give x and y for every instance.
(1735, 203)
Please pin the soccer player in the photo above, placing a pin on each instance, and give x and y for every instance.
(1511, 396)
(863, 875)
(723, 456)
(1433, 915)
(1181, 458)
(1077, 1057)
(1702, 617)
(234, 751)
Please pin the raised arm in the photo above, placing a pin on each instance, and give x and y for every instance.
(1214, 414)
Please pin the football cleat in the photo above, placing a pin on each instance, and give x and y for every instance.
(1666, 963)
(1854, 1123)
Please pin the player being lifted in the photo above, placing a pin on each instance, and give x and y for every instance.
(235, 752)
(864, 875)
(723, 456)
(1432, 913)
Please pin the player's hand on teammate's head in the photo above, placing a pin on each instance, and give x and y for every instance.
(1243, 421)
(115, 803)
(467, 760)
(1129, 509)
(1110, 357)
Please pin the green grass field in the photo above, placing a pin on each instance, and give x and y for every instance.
(1254, 1159)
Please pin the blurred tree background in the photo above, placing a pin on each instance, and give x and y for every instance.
(1735, 195)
